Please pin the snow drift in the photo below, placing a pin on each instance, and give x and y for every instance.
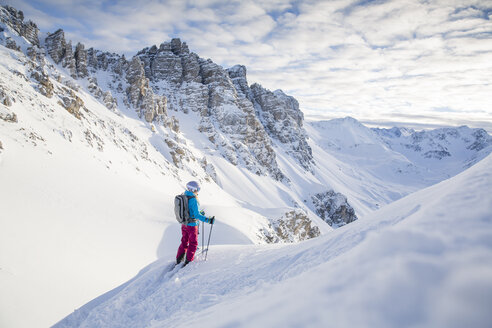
(422, 261)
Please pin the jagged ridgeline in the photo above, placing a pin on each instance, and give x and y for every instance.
(247, 125)
(243, 122)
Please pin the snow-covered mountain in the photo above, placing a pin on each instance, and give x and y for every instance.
(93, 148)
(397, 161)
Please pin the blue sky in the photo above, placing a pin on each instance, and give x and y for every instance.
(426, 62)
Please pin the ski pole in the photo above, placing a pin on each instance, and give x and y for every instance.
(203, 237)
(210, 234)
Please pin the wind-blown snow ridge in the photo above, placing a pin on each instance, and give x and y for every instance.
(425, 260)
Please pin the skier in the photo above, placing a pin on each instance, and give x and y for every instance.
(189, 239)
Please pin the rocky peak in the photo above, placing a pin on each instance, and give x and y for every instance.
(283, 121)
(234, 114)
(237, 71)
(56, 45)
(279, 114)
(15, 19)
(171, 74)
(81, 60)
(237, 74)
(171, 62)
(135, 72)
(61, 51)
(112, 62)
(140, 95)
(202, 86)
(279, 106)
(178, 47)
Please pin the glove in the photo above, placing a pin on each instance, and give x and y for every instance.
(202, 212)
(211, 220)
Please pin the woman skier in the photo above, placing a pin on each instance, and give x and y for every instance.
(189, 231)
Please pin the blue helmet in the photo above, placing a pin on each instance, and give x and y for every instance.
(193, 186)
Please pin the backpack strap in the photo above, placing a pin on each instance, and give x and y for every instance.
(190, 219)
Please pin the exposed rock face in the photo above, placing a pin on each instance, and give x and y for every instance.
(5, 98)
(15, 19)
(81, 60)
(238, 77)
(237, 119)
(333, 207)
(71, 102)
(36, 54)
(11, 118)
(105, 97)
(235, 116)
(140, 95)
(68, 60)
(283, 121)
(178, 154)
(171, 75)
(7, 115)
(209, 169)
(45, 86)
(171, 62)
(109, 101)
(193, 84)
(293, 226)
(9, 43)
(114, 64)
(175, 72)
(278, 113)
(61, 51)
(56, 45)
(94, 88)
(481, 140)
(166, 65)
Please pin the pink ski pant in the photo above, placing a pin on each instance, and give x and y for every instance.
(189, 242)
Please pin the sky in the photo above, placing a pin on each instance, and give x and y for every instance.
(421, 62)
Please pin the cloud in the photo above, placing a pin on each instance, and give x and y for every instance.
(365, 58)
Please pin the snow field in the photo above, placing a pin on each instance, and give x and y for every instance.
(422, 261)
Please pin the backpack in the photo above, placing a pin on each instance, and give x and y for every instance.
(181, 209)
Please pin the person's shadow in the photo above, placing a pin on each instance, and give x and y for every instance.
(222, 234)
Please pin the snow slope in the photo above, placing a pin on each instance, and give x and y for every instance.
(86, 202)
(422, 261)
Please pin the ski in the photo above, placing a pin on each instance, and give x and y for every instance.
(176, 269)
(166, 270)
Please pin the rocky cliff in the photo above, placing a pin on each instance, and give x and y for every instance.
(228, 119)
(278, 113)
(246, 124)
(242, 122)
(15, 19)
(292, 226)
(333, 208)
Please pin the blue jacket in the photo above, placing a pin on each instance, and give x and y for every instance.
(194, 210)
